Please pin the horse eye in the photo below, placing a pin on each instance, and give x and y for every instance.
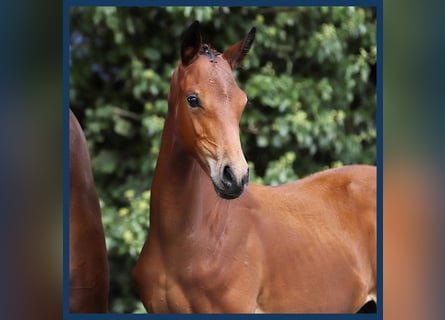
(193, 101)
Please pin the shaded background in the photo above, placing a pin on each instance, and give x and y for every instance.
(310, 78)
(31, 182)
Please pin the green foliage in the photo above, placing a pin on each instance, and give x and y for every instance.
(125, 230)
(310, 79)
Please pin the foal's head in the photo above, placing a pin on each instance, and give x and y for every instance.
(209, 105)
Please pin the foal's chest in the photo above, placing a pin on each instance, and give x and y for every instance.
(203, 284)
(178, 290)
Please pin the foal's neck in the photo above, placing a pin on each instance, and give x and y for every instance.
(182, 197)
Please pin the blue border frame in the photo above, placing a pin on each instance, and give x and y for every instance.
(378, 4)
(245, 3)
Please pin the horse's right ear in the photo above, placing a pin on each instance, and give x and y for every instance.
(191, 43)
(236, 53)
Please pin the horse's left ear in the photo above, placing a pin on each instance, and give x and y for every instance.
(191, 43)
(236, 53)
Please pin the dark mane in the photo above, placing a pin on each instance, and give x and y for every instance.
(206, 50)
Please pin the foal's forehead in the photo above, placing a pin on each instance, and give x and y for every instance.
(213, 71)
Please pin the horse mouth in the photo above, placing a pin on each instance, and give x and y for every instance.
(231, 189)
(229, 194)
(227, 184)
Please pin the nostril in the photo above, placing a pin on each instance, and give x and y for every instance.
(228, 176)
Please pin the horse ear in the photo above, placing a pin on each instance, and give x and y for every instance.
(236, 53)
(191, 43)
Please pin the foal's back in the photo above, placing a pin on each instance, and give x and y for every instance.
(318, 240)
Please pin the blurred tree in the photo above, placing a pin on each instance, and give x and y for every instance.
(310, 78)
